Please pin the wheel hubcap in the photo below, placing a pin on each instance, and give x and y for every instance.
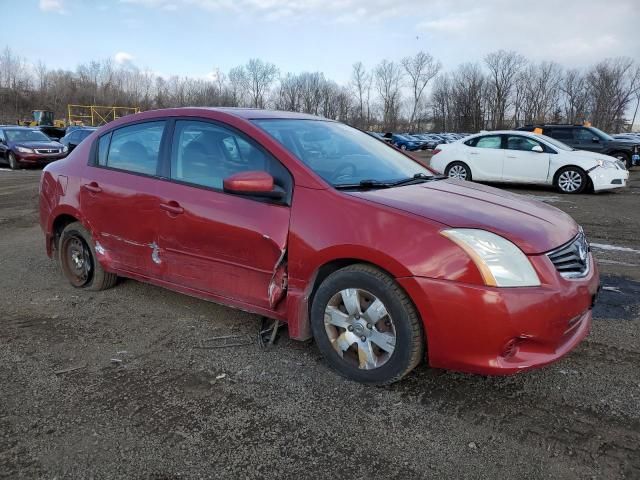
(458, 171)
(359, 328)
(570, 181)
(77, 262)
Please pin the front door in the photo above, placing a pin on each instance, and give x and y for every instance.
(215, 242)
(522, 163)
(119, 198)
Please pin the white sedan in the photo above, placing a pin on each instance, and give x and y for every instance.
(524, 157)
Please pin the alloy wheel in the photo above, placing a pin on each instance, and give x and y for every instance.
(360, 328)
(570, 181)
(458, 171)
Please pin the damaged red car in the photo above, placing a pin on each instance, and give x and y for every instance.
(314, 223)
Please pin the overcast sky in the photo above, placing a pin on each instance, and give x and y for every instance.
(194, 37)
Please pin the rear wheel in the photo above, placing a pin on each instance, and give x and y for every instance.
(571, 180)
(77, 259)
(458, 170)
(13, 162)
(366, 326)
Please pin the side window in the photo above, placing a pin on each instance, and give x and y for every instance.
(135, 148)
(517, 142)
(491, 141)
(562, 134)
(584, 135)
(103, 149)
(74, 137)
(205, 153)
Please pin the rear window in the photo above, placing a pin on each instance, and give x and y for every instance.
(135, 148)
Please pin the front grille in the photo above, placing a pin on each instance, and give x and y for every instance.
(47, 150)
(572, 259)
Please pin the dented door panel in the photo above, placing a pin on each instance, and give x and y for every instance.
(222, 244)
(123, 217)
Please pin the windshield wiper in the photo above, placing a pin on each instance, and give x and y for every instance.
(418, 178)
(369, 183)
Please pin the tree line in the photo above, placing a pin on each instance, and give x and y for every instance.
(504, 90)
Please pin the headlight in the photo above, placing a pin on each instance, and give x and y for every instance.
(25, 150)
(65, 149)
(606, 163)
(500, 262)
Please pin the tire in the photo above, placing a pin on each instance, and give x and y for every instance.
(78, 261)
(624, 158)
(458, 170)
(571, 180)
(403, 147)
(376, 348)
(13, 162)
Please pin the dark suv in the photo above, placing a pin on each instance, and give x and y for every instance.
(582, 137)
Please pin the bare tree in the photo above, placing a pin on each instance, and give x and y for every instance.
(575, 96)
(361, 82)
(258, 78)
(503, 69)
(420, 69)
(388, 76)
(613, 84)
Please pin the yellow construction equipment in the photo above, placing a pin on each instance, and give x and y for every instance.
(96, 115)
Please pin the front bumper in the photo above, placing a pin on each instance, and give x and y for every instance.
(608, 178)
(501, 331)
(37, 158)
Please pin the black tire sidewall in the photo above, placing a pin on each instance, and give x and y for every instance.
(401, 357)
(98, 273)
(13, 161)
(626, 159)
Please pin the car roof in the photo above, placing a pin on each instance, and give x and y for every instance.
(248, 113)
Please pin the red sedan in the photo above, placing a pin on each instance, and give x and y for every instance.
(322, 226)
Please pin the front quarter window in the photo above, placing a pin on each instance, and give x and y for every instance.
(340, 154)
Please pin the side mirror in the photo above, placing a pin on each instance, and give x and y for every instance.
(253, 183)
(537, 149)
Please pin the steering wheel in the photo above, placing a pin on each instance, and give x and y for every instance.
(344, 171)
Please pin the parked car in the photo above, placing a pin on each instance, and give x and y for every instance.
(380, 136)
(22, 146)
(73, 138)
(405, 143)
(524, 157)
(593, 139)
(429, 143)
(360, 247)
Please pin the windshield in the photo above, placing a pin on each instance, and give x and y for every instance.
(601, 134)
(26, 136)
(340, 154)
(556, 143)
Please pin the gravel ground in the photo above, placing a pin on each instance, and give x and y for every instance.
(141, 398)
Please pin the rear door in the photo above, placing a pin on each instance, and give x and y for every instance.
(486, 157)
(215, 242)
(521, 163)
(119, 197)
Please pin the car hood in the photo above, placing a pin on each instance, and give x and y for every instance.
(38, 144)
(532, 225)
(586, 155)
(622, 143)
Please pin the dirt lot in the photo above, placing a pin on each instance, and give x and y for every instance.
(144, 401)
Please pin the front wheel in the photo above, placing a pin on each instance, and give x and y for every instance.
(366, 326)
(13, 162)
(77, 259)
(403, 147)
(458, 170)
(571, 180)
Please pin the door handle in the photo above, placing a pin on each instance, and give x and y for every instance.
(93, 187)
(473, 153)
(511, 156)
(172, 207)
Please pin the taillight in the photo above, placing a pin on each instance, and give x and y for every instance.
(436, 150)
